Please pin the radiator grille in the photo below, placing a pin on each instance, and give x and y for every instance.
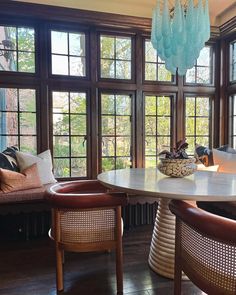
(30, 225)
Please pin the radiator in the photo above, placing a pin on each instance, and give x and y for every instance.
(31, 225)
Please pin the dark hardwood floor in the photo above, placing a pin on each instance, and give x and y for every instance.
(28, 268)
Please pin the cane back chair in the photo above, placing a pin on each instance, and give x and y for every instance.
(86, 217)
(205, 249)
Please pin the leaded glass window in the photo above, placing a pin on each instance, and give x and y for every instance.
(157, 127)
(116, 131)
(18, 119)
(69, 133)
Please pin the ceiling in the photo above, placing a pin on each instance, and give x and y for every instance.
(220, 10)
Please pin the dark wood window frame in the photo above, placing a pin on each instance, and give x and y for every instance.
(94, 24)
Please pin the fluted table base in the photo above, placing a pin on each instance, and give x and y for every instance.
(162, 250)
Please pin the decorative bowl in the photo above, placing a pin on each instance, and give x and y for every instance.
(177, 167)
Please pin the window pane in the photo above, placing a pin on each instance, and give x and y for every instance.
(78, 167)
(26, 62)
(157, 127)
(27, 100)
(18, 118)
(108, 164)
(123, 48)
(70, 133)
(77, 66)
(163, 74)
(78, 103)
(202, 72)
(202, 106)
(163, 126)
(26, 39)
(155, 67)
(123, 162)
(233, 61)
(150, 125)
(61, 124)
(77, 44)
(107, 68)
(123, 106)
(61, 146)
(59, 65)
(150, 145)
(190, 126)
(197, 122)
(123, 125)
(68, 53)
(123, 70)
(61, 167)
(108, 146)
(115, 57)
(150, 52)
(11, 123)
(18, 49)
(150, 105)
(108, 125)
(107, 47)
(59, 42)
(203, 75)
(150, 72)
(78, 124)
(204, 57)
(28, 123)
(108, 104)
(28, 144)
(78, 147)
(163, 106)
(115, 131)
(190, 106)
(190, 75)
(123, 146)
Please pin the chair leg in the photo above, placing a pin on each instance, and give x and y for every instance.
(59, 268)
(119, 253)
(178, 267)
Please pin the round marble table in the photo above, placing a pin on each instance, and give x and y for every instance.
(201, 186)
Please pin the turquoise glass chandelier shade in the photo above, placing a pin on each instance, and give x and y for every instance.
(179, 36)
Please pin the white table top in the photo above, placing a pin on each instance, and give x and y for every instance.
(200, 186)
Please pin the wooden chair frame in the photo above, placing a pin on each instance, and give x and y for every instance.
(205, 249)
(85, 196)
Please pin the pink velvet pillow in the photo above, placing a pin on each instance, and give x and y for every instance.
(11, 181)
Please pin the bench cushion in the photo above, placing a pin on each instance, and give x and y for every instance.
(22, 196)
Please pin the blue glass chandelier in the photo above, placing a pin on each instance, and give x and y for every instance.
(179, 35)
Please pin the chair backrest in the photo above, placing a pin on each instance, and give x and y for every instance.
(205, 248)
(84, 212)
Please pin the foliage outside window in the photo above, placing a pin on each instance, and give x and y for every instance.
(68, 53)
(18, 119)
(197, 121)
(69, 134)
(154, 67)
(115, 57)
(17, 48)
(202, 71)
(157, 127)
(116, 131)
(233, 61)
(233, 122)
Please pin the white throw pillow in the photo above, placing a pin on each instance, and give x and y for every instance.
(226, 161)
(44, 164)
